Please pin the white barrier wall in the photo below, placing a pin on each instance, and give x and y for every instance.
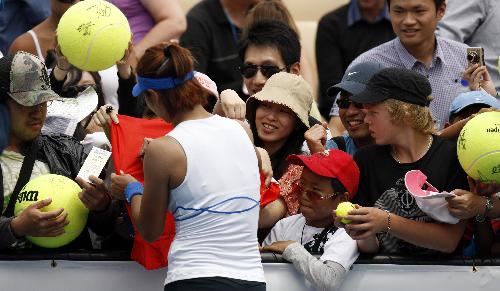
(127, 275)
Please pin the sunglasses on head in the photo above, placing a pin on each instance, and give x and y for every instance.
(249, 70)
(344, 103)
(314, 196)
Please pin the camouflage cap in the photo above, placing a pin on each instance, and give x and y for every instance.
(29, 80)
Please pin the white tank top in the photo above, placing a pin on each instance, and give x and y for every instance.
(216, 207)
(37, 44)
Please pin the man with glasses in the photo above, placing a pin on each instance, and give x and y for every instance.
(267, 48)
(25, 89)
(352, 117)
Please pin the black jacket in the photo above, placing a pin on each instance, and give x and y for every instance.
(64, 156)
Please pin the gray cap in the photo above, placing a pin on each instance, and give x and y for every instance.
(355, 78)
(25, 79)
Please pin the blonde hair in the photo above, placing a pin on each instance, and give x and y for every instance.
(418, 117)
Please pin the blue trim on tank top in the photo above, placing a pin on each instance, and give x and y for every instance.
(208, 208)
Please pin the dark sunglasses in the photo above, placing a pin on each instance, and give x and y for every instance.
(313, 196)
(344, 103)
(249, 70)
(73, 91)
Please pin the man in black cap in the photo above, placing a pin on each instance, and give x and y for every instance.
(396, 104)
(351, 115)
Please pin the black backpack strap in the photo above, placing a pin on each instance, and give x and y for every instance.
(24, 177)
(340, 141)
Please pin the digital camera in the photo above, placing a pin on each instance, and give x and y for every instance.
(475, 55)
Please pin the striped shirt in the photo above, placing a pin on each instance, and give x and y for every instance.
(444, 73)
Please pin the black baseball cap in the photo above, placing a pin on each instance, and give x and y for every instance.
(396, 83)
(355, 78)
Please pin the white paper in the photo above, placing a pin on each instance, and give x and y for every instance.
(75, 108)
(95, 162)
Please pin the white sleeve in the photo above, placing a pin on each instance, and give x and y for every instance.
(322, 275)
(341, 248)
(461, 19)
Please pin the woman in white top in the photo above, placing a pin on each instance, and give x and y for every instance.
(205, 172)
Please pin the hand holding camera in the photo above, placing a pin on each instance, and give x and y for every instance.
(477, 74)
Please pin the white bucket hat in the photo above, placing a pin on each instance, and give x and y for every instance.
(430, 200)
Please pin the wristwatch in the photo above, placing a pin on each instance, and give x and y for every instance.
(487, 208)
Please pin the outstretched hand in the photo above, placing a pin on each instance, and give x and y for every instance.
(232, 105)
(277, 247)
(366, 222)
(479, 77)
(467, 204)
(266, 166)
(316, 138)
(94, 196)
(119, 183)
(128, 62)
(103, 118)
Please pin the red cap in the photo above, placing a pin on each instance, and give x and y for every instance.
(331, 164)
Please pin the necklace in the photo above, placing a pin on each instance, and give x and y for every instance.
(395, 155)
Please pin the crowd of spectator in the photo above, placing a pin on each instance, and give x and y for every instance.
(245, 111)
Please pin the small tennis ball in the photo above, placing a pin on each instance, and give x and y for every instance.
(64, 194)
(342, 209)
(478, 147)
(93, 35)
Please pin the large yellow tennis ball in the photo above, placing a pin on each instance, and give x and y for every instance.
(93, 35)
(342, 209)
(64, 194)
(478, 147)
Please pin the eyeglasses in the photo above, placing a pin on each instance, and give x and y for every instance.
(73, 91)
(250, 70)
(344, 103)
(313, 196)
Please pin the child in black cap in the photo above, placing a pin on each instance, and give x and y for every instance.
(396, 104)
